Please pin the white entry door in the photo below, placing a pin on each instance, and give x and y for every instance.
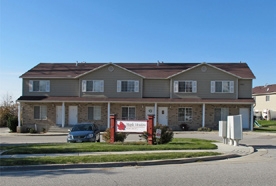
(245, 117)
(163, 115)
(73, 115)
(59, 115)
(149, 111)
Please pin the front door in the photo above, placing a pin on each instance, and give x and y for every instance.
(149, 111)
(59, 115)
(245, 117)
(73, 115)
(163, 115)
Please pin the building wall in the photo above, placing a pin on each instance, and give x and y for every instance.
(110, 82)
(204, 79)
(58, 87)
(245, 88)
(156, 88)
(262, 104)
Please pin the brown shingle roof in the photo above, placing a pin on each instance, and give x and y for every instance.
(147, 70)
(267, 89)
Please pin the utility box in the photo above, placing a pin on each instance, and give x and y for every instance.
(234, 124)
(223, 131)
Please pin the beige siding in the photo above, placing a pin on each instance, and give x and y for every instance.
(204, 83)
(245, 88)
(58, 87)
(262, 104)
(110, 82)
(156, 88)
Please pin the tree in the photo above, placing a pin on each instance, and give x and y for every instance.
(8, 109)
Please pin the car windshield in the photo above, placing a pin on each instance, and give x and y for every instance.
(82, 128)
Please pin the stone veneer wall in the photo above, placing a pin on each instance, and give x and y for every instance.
(116, 108)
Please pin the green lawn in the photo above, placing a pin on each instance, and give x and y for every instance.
(176, 144)
(267, 126)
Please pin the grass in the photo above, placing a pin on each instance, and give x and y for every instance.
(267, 126)
(175, 144)
(101, 158)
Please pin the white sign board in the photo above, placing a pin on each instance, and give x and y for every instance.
(158, 133)
(131, 126)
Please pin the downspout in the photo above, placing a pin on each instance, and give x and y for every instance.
(108, 115)
(19, 115)
(63, 115)
(155, 114)
(203, 115)
(251, 118)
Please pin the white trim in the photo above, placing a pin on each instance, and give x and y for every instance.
(203, 115)
(63, 115)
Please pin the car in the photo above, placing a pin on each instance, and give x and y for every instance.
(84, 132)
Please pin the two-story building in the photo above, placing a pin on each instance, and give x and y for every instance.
(198, 94)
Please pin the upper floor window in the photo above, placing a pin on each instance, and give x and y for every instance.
(40, 112)
(127, 86)
(267, 98)
(128, 113)
(92, 85)
(222, 86)
(185, 86)
(185, 114)
(39, 86)
(94, 113)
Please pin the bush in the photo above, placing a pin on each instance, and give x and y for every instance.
(166, 135)
(119, 136)
(12, 123)
(184, 126)
(204, 129)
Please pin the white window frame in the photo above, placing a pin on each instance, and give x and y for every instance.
(97, 112)
(128, 114)
(42, 109)
(188, 114)
(98, 86)
(177, 85)
(135, 88)
(44, 86)
(230, 87)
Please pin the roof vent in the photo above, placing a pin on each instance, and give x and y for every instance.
(77, 63)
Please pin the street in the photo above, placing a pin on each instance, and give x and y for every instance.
(254, 169)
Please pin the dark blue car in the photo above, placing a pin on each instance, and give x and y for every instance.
(88, 132)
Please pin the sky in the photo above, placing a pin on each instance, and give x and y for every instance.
(194, 31)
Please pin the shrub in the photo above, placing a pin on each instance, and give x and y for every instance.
(184, 126)
(204, 129)
(119, 136)
(166, 135)
(12, 123)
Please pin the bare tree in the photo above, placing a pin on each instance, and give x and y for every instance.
(8, 108)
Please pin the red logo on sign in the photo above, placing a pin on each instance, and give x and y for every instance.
(121, 126)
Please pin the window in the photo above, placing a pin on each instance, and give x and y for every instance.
(185, 114)
(267, 98)
(39, 86)
(92, 85)
(222, 86)
(185, 86)
(128, 113)
(127, 86)
(94, 113)
(40, 112)
(221, 114)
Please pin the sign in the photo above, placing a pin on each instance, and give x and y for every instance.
(131, 126)
(158, 133)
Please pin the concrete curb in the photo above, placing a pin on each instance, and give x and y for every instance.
(117, 164)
